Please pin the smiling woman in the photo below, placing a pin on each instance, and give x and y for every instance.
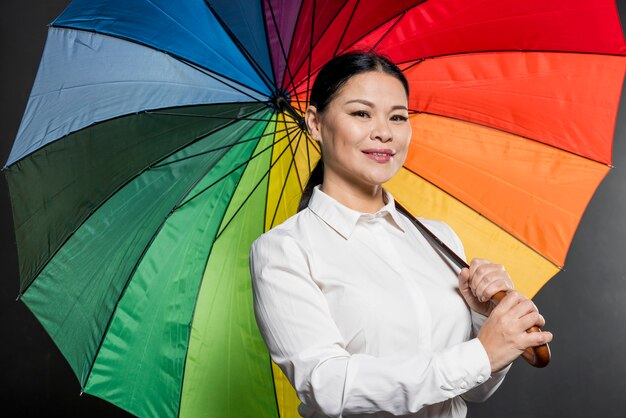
(342, 70)
(355, 327)
(364, 134)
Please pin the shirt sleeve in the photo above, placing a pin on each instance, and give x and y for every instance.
(303, 340)
(481, 392)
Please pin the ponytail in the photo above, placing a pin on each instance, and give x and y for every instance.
(316, 177)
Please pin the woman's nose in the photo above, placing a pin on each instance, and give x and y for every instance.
(381, 130)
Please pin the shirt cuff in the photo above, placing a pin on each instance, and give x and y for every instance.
(465, 366)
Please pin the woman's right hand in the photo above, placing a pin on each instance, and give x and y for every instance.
(504, 335)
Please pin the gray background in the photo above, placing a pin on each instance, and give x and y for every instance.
(584, 305)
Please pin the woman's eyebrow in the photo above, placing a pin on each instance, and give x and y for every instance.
(365, 102)
(370, 104)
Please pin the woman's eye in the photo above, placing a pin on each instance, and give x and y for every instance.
(399, 118)
(360, 114)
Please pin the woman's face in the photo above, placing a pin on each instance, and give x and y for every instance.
(364, 131)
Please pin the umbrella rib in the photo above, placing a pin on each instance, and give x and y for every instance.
(258, 183)
(382, 23)
(345, 29)
(267, 190)
(498, 51)
(393, 25)
(416, 62)
(232, 83)
(310, 57)
(267, 43)
(191, 115)
(138, 112)
(509, 184)
(293, 156)
(310, 143)
(373, 29)
(266, 79)
(121, 186)
(179, 58)
(140, 258)
(253, 190)
(210, 132)
(195, 304)
(178, 206)
(267, 193)
(308, 156)
(318, 40)
(420, 59)
(293, 35)
(416, 112)
(494, 223)
(282, 49)
(285, 182)
(216, 149)
(171, 18)
(269, 358)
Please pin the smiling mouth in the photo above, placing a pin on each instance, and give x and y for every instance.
(380, 156)
(382, 153)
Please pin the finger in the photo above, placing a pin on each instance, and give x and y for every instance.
(522, 308)
(489, 274)
(542, 321)
(487, 269)
(511, 299)
(534, 339)
(464, 281)
(532, 319)
(536, 308)
(464, 275)
(482, 277)
(495, 287)
(475, 264)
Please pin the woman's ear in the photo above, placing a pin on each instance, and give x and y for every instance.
(312, 120)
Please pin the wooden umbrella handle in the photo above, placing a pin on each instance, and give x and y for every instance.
(535, 356)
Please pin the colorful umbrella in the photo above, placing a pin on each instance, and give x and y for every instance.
(161, 138)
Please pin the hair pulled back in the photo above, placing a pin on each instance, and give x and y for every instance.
(333, 75)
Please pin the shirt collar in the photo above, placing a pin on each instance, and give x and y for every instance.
(343, 219)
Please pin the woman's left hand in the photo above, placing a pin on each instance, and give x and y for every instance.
(480, 282)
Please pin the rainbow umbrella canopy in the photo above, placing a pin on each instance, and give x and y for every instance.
(162, 137)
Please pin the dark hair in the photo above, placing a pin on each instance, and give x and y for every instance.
(333, 75)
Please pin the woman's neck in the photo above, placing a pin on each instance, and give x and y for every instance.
(368, 199)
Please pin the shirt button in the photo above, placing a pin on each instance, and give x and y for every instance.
(480, 379)
(464, 385)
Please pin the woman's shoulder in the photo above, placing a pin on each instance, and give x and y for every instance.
(285, 244)
(444, 232)
(291, 229)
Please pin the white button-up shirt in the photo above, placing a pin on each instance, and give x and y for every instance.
(364, 316)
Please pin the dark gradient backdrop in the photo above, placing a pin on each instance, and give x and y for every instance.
(585, 305)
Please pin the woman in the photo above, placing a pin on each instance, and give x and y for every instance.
(358, 310)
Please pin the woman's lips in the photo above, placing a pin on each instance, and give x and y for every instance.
(379, 155)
